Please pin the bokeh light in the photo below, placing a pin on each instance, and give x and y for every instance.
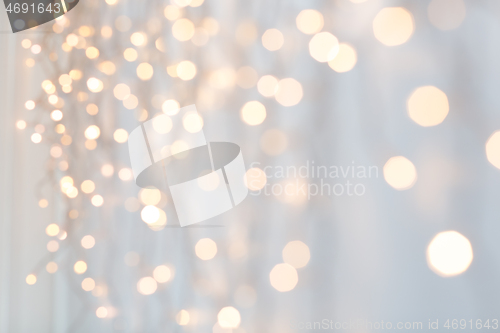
(400, 173)
(296, 253)
(147, 285)
(428, 106)
(449, 254)
(206, 249)
(345, 60)
(493, 149)
(393, 26)
(253, 113)
(229, 317)
(283, 277)
(323, 47)
(273, 39)
(309, 21)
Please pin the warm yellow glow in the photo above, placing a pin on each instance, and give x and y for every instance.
(53, 99)
(147, 285)
(60, 128)
(196, 3)
(267, 85)
(121, 91)
(246, 77)
(106, 31)
(273, 39)
(56, 115)
(95, 85)
(289, 92)
(162, 124)
(72, 192)
(449, 254)
(87, 186)
(162, 274)
(150, 196)
(205, 249)
(31, 279)
(125, 174)
(120, 135)
(186, 70)
(160, 223)
(52, 230)
(172, 12)
(75, 74)
(53, 246)
(229, 317)
(72, 39)
(107, 67)
(92, 132)
(211, 25)
(393, 26)
(56, 151)
(345, 59)
(323, 46)
(92, 109)
(170, 107)
(88, 242)
(73, 214)
(30, 105)
(223, 78)
(144, 71)
(88, 284)
(138, 38)
(30, 62)
(183, 29)
(43, 203)
(309, 21)
(90, 144)
(192, 122)
(428, 106)
(150, 214)
(26, 43)
(446, 14)
(208, 182)
(400, 173)
(92, 52)
(21, 124)
(65, 80)
(51, 267)
(493, 149)
(131, 102)
(66, 140)
(97, 200)
(246, 33)
(273, 142)
(80, 267)
(296, 254)
(130, 54)
(107, 170)
(255, 179)
(178, 147)
(101, 311)
(182, 318)
(253, 113)
(283, 277)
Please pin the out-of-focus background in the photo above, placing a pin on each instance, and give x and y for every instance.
(404, 93)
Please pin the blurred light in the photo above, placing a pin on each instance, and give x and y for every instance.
(183, 29)
(273, 142)
(170, 107)
(186, 70)
(88, 242)
(172, 12)
(428, 106)
(21, 124)
(345, 59)
(26, 43)
(323, 46)
(162, 274)
(80, 267)
(205, 249)
(130, 54)
(56, 115)
(107, 67)
(267, 85)
(56, 151)
(192, 122)
(94, 85)
(63, 165)
(53, 99)
(208, 182)
(449, 254)
(53, 246)
(150, 214)
(29, 105)
(223, 78)
(106, 32)
(309, 21)
(75, 74)
(246, 77)
(62, 235)
(92, 52)
(125, 174)
(60, 128)
(144, 71)
(92, 132)
(246, 33)
(101, 311)
(162, 124)
(66, 140)
(182, 318)
(107, 170)
(253, 113)
(196, 3)
(73, 214)
(92, 109)
(90, 144)
(255, 179)
(43, 203)
(31, 279)
(138, 38)
(51, 267)
(272, 39)
(446, 14)
(493, 149)
(393, 26)
(52, 229)
(229, 317)
(30, 62)
(130, 102)
(211, 25)
(65, 80)
(400, 173)
(289, 92)
(35, 49)
(120, 135)
(147, 285)
(97, 200)
(150, 196)
(87, 186)
(283, 277)
(88, 284)
(296, 254)
(121, 91)
(178, 146)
